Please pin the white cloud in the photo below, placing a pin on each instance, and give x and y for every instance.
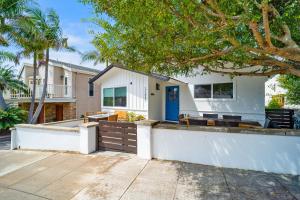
(74, 40)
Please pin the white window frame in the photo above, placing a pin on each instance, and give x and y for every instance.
(212, 89)
(114, 107)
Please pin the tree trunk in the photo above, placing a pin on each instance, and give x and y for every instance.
(3, 105)
(41, 102)
(31, 109)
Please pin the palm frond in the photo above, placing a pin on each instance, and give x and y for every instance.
(7, 56)
(92, 56)
(9, 81)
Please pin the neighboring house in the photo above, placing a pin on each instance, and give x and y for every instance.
(163, 98)
(69, 95)
(273, 90)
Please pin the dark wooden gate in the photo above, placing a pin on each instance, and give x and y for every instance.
(282, 117)
(117, 136)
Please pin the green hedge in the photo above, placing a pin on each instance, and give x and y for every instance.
(11, 117)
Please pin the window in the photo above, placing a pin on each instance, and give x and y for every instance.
(120, 96)
(66, 85)
(157, 86)
(115, 96)
(223, 91)
(91, 89)
(202, 91)
(215, 91)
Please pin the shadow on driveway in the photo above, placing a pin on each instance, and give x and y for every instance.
(5, 142)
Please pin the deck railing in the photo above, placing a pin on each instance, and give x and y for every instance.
(53, 91)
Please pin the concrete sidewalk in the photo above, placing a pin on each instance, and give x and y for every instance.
(110, 175)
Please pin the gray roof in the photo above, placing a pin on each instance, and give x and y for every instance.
(74, 66)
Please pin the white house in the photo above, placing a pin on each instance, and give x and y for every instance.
(163, 98)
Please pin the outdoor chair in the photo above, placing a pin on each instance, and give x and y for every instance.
(113, 118)
(210, 116)
(197, 122)
(183, 120)
(270, 124)
(122, 115)
(85, 117)
(234, 117)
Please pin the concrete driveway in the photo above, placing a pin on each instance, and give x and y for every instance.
(108, 175)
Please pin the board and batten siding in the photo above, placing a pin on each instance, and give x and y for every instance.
(137, 90)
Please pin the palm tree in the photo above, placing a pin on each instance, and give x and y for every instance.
(10, 10)
(48, 26)
(93, 55)
(8, 81)
(32, 42)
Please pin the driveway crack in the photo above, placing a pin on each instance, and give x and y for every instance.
(133, 180)
(227, 185)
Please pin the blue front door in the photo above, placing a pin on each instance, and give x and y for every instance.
(172, 103)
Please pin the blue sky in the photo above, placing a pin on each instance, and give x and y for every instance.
(71, 13)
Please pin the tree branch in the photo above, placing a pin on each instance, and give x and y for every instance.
(254, 27)
(287, 37)
(217, 54)
(252, 73)
(265, 14)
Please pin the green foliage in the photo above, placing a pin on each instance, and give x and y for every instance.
(10, 11)
(11, 117)
(292, 85)
(175, 36)
(93, 55)
(9, 81)
(132, 117)
(273, 104)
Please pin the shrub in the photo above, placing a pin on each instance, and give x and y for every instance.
(132, 117)
(274, 104)
(12, 116)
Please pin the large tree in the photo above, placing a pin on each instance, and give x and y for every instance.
(47, 26)
(238, 37)
(27, 34)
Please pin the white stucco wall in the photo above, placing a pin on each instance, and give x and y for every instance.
(248, 99)
(59, 139)
(137, 90)
(269, 153)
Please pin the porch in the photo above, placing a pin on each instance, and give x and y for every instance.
(53, 92)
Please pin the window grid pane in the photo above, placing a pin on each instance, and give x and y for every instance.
(223, 90)
(108, 97)
(202, 91)
(120, 96)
